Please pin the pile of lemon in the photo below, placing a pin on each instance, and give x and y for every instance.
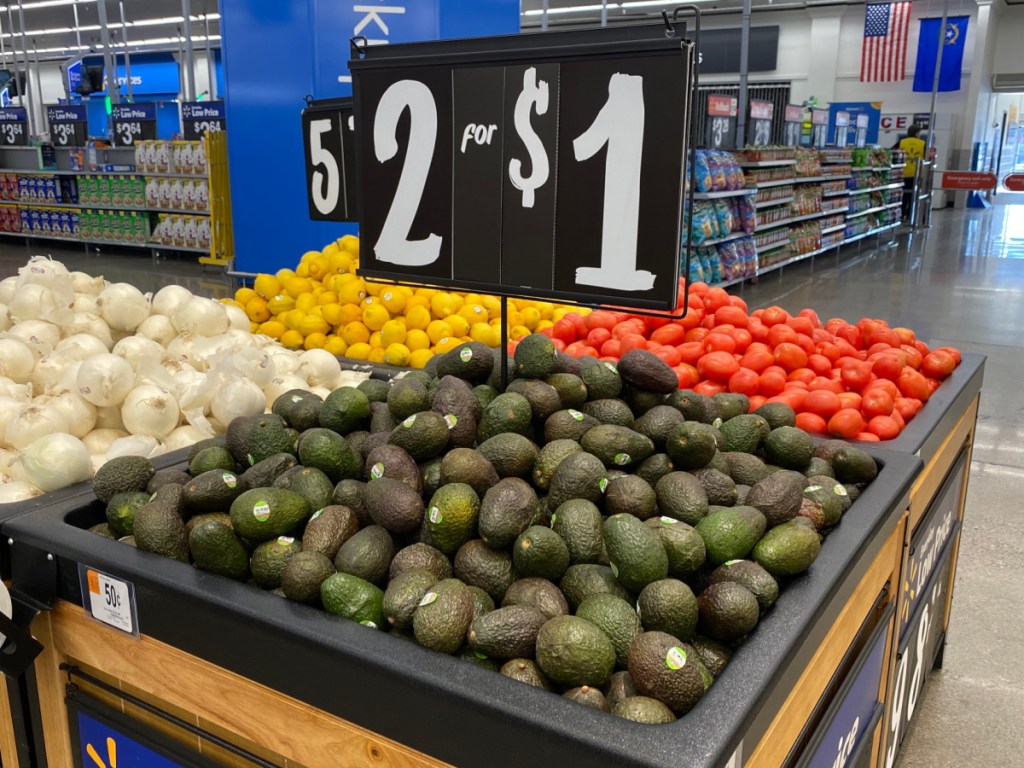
(324, 304)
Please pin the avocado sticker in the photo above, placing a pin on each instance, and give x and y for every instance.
(675, 658)
(615, 569)
(428, 599)
(229, 480)
(316, 515)
(409, 421)
(727, 563)
(840, 489)
(434, 515)
(296, 398)
(611, 367)
(717, 423)
(602, 484)
(812, 488)
(467, 354)
(622, 459)
(668, 520)
(261, 510)
(576, 414)
(451, 419)
(368, 623)
(377, 471)
(285, 541)
(250, 458)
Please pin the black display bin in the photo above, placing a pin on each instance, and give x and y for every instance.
(440, 705)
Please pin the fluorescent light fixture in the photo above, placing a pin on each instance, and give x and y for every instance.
(166, 20)
(46, 4)
(71, 49)
(570, 9)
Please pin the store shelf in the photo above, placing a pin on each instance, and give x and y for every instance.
(836, 228)
(837, 162)
(733, 281)
(766, 163)
(837, 178)
(818, 179)
(875, 231)
(90, 241)
(778, 183)
(101, 207)
(726, 239)
(794, 259)
(771, 203)
(893, 205)
(836, 194)
(55, 172)
(792, 220)
(866, 212)
(724, 193)
(900, 165)
(870, 169)
(772, 247)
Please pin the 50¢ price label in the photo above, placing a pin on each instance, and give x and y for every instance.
(109, 600)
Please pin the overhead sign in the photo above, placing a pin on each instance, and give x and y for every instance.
(152, 73)
(720, 50)
(132, 123)
(819, 121)
(328, 132)
(794, 119)
(200, 117)
(975, 180)
(720, 129)
(69, 125)
(1014, 182)
(13, 130)
(535, 165)
(761, 122)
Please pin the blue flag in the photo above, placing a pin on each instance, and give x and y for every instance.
(955, 39)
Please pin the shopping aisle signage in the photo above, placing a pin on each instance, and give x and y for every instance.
(13, 127)
(720, 131)
(974, 180)
(200, 117)
(328, 132)
(761, 122)
(794, 120)
(547, 165)
(69, 125)
(862, 129)
(842, 123)
(132, 123)
(819, 124)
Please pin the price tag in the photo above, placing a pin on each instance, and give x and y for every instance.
(68, 125)
(133, 123)
(328, 133)
(545, 165)
(794, 118)
(13, 121)
(109, 600)
(720, 129)
(201, 117)
(761, 113)
(819, 119)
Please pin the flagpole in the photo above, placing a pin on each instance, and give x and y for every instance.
(741, 120)
(935, 80)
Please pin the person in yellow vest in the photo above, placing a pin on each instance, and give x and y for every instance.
(914, 147)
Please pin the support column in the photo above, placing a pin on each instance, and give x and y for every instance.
(823, 53)
(979, 88)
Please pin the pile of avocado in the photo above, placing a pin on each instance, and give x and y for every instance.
(590, 531)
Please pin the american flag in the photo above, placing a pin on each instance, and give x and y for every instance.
(884, 55)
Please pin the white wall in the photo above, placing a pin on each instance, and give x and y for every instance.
(1009, 52)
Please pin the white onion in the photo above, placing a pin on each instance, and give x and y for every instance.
(81, 346)
(285, 361)
(9, 388)
(150, 410)
(321, 392)
(203, 317)
(237, 319)
(17, 491)
(186, 436)
(109, 417)
(33, 422)
(40, 336)
(123, 306)
(105, 379)
(56, 461)
(49, 371)
(319, 367)
(5, 317)
(180, 348)
(167, 300)
(80, 413)
(44, 270)
(238, 397)
(69, 379)
(206, 350)
(38, 302)
(7, 288)
(135, 445)
(158, 328)
(91, 325)
(135, 349)
(85, 303)
(254, 364)
(99, 440)
(16, 360)
(9, 406)
(352, 378)
(281, 384)
(87, 284)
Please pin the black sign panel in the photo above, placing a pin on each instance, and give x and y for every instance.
(720, 50)
(132, 123)
(199, 117)
(13, 126)
(69, 125)
(545, 166)
(328, 134)
(720, 132)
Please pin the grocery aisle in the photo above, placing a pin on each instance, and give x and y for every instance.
(959, 283)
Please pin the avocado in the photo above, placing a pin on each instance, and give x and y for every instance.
(778, 496)
(406, 397)
(352, 494)
(215, 548)
(568, 424)
(693, 406)
(381, 419)
(752, 576)
(420, 556)
(526, 671)
(681, 496)
(121, 509)
(330, 453)
(745, 469)
(630, 495)
(786, 550)
(309, 483)
(579, 523)
(511, 454)
(744, 433)
(777, 415)
(616, 618)
(581, 475)
(540, 593)
(212, 491)
(451, 517)
(683, 545)
(818, 467)
(645, 370)
(215, 457)
(617, 446)
(472, 362)
(602, 381)
(667, 669)
(220, 517)
(506, 633)
(788, 447)
(535, 356)
(588, 697)
(376, 390)
(478, 565)
(169, 476)
(328, 529)
(543, 398)
(443, 616)
(573, 652)
(571, 389)
(690, 446)
(393, 505)
(719, 487)
(655, 467)
(395, 463)
(640, 401)
(158, 525)
(423, 435)
(550, 457)
(123, 474)
(540, 552)
(713, 654)
(581, 581)
(643, 709)
(827, 449)
(620, 686)
(455, 401)
(658, 423)
(303, 574)
(508, 412)
(484, 393)
(827, 498)
(853, 465)
(730, 533)
(727, 611)
(465, 465)
(668, 606)
(609, 411)
(635, 552)
(482, 602)
(508, 508)
(367, 555)
(268, 560)
(300, 409)
(345, 410)
(261, 437)
(219, 440)
(265, 472)
(351, 597)
(731, 404)
(403, 596)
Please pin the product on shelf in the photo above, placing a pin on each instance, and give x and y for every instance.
(871, 157)
(756, 176)
(771, 238)
(808, 163)
(765, 154)
(806, 201)
(717, 219)
(717, 171)
(834, 187)
(159, 156)
(729, 261)
(836, 155)
(768, 195)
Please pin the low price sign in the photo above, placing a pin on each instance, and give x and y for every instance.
(548, 165)
(132, 123)
(13, 130)
(69, 125)
(720, 131)
(819, 125)
(794, 119)
(200, 117)
(761, 113)
(329, 134)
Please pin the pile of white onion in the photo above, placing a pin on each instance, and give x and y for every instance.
(91, 370)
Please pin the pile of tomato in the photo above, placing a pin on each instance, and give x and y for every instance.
(861, 380)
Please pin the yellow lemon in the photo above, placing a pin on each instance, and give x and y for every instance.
(355, 333)
(305, 302)
(254, 327)
(393, 332)
(339, 260)
(273, 328)
(419, 358)
(315, 341)
(302, 270)
(531, 316)
(375, 315)
(485, 334)
(375, 289)
(393, 299)
(437, 330)
(360, 351)
(518, 332)
(416, 340)
(327, 297)
(244, 295)
(319, 266)
(544, 324)
(298, 286)
(256, 309)
(474, 313)
(292, 339)
(397, 354)
(349, 312)
(292, 318)
(336, 346)
(278, 304)
(349, 243)
(308, 256)
(331, 247)
(447, 344)
(376, 355)
(417, 317)
(375, 342)
(332, 313)
(284, 275)
(441, 305)
(492, 304)
(267, 286)
(352, 292)
(459, 325)
(417, 301)
(546, 308)
(313, 324)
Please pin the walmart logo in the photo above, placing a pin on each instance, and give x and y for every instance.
(111, 754)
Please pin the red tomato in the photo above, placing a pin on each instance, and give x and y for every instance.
(632, 341)
(671, 334)
(654, 322)
(756, 401)
(885, 427)
(691, 351)
(598, 336)
(876, 402)
(600, 318)
(717, 366)
(805, 343)
(953, 351)
(564, 331)
(905, 335)
(876, 349)
(885, 385)
(777, 369)
(811, 422)
(850, 335)
(898, 418)
(732, 315)
(846, 423)
(794, 398)
(719, 342)
(669, 355)
(845, 348)
(921, 347)
(547, 331)
(913, 384)
(774, 316)
(822, 403)
(907, 407)
(709, 388)
(887, 366)
(938, 364)
(559, 344)
(687, 375)
(576, 349)
(856, 375)
(745, 382)
(826, 383)
(715, 299)
(883, 335)
(790, 356)
(757, 359)
(632, 327)
(811, 315)
(697, 334)
(742, 338)
(933, 384)
(780, 334)
(850, 400)
(828, 350)
(867, 437)
(758, 330)
(693, 317)
(772, 383)
(801, 325)
(791, 385)
(611, 348)
(914, 357)
(819, 364)
(803, 375)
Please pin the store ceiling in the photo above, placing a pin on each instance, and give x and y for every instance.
(568, 13)
(150, 24)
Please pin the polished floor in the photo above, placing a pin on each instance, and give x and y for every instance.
(959, 283)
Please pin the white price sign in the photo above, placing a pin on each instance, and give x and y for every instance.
(109, 600)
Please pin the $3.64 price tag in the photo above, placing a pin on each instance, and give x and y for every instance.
(109, 600)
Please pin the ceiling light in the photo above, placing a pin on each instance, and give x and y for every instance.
(45, 4)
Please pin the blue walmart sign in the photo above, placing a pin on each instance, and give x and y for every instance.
(101, 746)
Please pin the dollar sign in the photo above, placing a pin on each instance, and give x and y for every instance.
(533, 93)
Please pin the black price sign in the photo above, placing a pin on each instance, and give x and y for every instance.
(819, 123)
(548, 165)
(133, 123)
(761, 122)
(69, 126)
(793, 125)
(200, 117)
(13, 122)
(720, 129)
(328, 132)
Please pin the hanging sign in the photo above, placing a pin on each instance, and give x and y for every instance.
(819, 123)
(794, 118)
(720, 130)
(536, 165)
(13, 131)
(328, 132)
(132, 123)
(200, 117)
(842, 123)
(761, 122)
(69, 125)
(862, 129)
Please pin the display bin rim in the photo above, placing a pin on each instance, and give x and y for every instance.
(453, 710)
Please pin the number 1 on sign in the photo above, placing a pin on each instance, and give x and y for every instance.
(620, 126)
